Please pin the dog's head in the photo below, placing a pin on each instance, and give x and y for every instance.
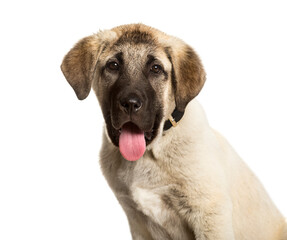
(140, 75)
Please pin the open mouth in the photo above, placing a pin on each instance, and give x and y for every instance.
(147, 134)
(133, 141)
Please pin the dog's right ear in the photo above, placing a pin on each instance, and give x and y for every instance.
(79, 63)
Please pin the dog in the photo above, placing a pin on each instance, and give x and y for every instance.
(174, 176)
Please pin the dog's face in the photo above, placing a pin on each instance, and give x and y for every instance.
(139, 75)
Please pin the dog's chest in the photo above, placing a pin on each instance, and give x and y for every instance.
(150, 202)
(150, 191)
(143, 189)
(159, 215)
(147, 187)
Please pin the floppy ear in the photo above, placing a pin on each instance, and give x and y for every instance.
(79, 63)
(187, 73)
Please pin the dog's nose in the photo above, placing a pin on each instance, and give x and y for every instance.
(131, 104)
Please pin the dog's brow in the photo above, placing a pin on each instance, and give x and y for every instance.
(119, 57)
(151, 58)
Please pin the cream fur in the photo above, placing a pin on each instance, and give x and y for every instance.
(205, 183)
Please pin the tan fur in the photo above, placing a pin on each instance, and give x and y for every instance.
(190, 183)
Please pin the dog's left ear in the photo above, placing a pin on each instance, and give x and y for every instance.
(188, 73)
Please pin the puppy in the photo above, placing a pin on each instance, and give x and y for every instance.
(175, 177)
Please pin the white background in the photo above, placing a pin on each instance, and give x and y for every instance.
(51, 186)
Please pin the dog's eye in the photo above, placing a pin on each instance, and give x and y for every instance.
(114, 66)
(156, 68)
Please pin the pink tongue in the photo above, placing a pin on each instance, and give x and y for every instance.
(132, 142)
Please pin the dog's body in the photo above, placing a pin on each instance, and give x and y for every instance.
(191, 179)
(188, 182)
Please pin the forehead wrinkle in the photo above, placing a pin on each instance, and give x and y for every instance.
(135, 56)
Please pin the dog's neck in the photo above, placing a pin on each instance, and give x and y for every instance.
(173, 119)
